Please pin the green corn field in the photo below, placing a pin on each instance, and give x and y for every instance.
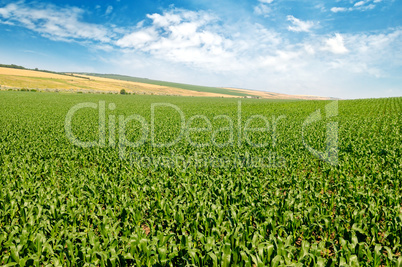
(185, 181)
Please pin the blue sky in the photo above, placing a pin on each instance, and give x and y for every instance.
(340, 48)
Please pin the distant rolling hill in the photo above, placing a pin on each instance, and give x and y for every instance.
(196, 88)
(234, 92)
(17, 77)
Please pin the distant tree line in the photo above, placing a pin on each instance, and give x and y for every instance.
(12, 66)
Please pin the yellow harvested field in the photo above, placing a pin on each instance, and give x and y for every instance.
(17, 78)
(30, 73)
(29, 79)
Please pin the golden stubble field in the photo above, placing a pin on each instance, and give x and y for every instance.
(18, 78)
(71, 82)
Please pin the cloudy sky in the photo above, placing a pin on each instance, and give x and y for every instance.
(339, 48)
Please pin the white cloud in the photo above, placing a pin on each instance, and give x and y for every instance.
(138, 39)
(335, 45)
(299, 25)
(360, 3)
(309, 49)
(321, 7)
(262, 9)
(338, 9)
(364, 8)
(109, 10)
(7, 11)
(253, 56)
(7, 23)
(181, 36)
(193, 38)
(165, 19)
(54, 22)
(372, 55)
(103, 47)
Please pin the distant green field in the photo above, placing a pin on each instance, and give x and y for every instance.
(196, 88)
(85, 180)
